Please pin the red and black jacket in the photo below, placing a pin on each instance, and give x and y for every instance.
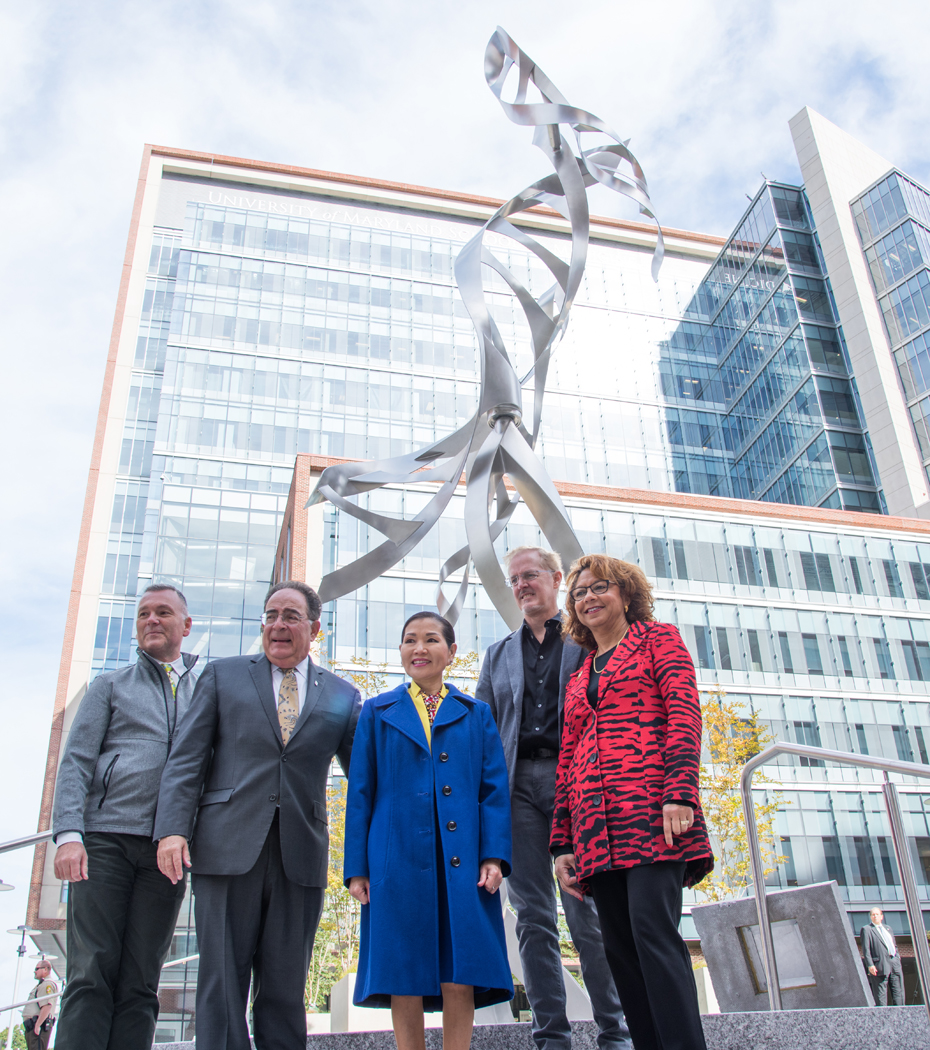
(641, 749)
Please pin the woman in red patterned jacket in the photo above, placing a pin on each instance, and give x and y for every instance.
(628, 826)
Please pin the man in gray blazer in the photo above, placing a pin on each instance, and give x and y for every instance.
(523, 679)
(882, 960)
(250, 764)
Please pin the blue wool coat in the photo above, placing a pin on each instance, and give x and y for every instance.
(400, 794)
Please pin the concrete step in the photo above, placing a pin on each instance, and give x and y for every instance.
(891, 1028)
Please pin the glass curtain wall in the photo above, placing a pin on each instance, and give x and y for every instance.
(765, 406)
(893, 223)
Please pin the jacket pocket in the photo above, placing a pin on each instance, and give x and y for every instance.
(219, 795)
(319, 813)
(106, 778)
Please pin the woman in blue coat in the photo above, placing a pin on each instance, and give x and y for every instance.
(427, 845)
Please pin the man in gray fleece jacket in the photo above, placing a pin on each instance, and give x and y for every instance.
(121, 910)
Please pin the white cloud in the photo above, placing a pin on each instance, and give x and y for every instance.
(389, 89)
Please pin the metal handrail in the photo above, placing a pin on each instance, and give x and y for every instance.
(898, 838)
(29, 840)
(26, 1002)
(181, 962)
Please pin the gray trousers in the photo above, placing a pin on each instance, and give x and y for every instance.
(258, 926)
(532, 892)
(893, 980)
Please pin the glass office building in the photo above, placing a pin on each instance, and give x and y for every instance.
(268, 312)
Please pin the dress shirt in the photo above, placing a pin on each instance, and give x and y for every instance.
(542, 662)
(302, 670)
(887, 936)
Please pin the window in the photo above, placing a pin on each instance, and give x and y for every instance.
(919, 576)
(755, 653)
(892, 578)
(844, 655)
(888, 865)
(854, 573)
(681, 566)
(791, 877)
(660, 558)
(865, 862)
(770, 567)
(811, 579)
(785, 652)
(723, 647)
(923, 854)
(883, 657)
(861, 740)
(808, 733)
(746, 566)
(901, 743)
(704, 649)
(921, 745)
(812, 654)
(834, 859)
(917, 660)
(825, 571)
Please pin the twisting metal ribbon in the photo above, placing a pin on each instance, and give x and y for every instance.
(495, 443)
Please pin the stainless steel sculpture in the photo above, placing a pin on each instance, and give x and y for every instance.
(496, 442)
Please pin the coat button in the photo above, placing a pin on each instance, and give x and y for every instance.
(451, 826)
(443, 757)
(284, 758)
(455, 862)
(272, 798)
(447, 790)
(596, 800)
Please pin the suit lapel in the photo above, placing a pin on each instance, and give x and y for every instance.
(633, 639)
(514, 651)
(572, 658)
(261, 677)
(316, 687)
(403, 716)
(450, 710)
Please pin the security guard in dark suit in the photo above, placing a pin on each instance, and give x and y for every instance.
(882, 960)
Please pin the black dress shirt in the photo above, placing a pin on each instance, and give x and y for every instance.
(542, 661)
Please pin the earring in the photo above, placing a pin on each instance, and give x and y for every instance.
(626, 608)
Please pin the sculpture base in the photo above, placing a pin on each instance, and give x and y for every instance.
(888, 1028)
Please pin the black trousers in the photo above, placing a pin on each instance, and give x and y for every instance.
(640, 909)
(259, 925)
(893, 981)
(120, 923)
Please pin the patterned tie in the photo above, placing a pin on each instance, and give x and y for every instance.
(169, 670)
(431, 703)
(287, 704)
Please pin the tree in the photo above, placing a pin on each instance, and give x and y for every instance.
(463, 671)
(369, 678)
(335, 948)
(19, 1037)
(731, 737)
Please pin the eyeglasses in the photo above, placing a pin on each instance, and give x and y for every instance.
(290, 618)
(598, 587)
(527, 577)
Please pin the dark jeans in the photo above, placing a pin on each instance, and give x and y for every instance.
(640, 909)
(120, 923)
(893, 980)
(532, 892)
(259, 925)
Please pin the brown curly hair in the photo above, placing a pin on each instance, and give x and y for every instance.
(630, 578)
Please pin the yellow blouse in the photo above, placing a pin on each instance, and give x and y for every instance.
(416, 695)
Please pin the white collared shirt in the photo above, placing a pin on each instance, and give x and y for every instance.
(887, 936)
(302, 671)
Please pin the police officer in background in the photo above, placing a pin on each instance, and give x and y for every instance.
(39, 1012)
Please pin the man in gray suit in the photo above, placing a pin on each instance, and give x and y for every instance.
(882, 960)
(250, 763)
(523, 679)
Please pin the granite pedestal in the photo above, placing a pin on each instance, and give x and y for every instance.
(865, 1028)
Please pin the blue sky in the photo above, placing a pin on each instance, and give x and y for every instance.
(372, 87)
